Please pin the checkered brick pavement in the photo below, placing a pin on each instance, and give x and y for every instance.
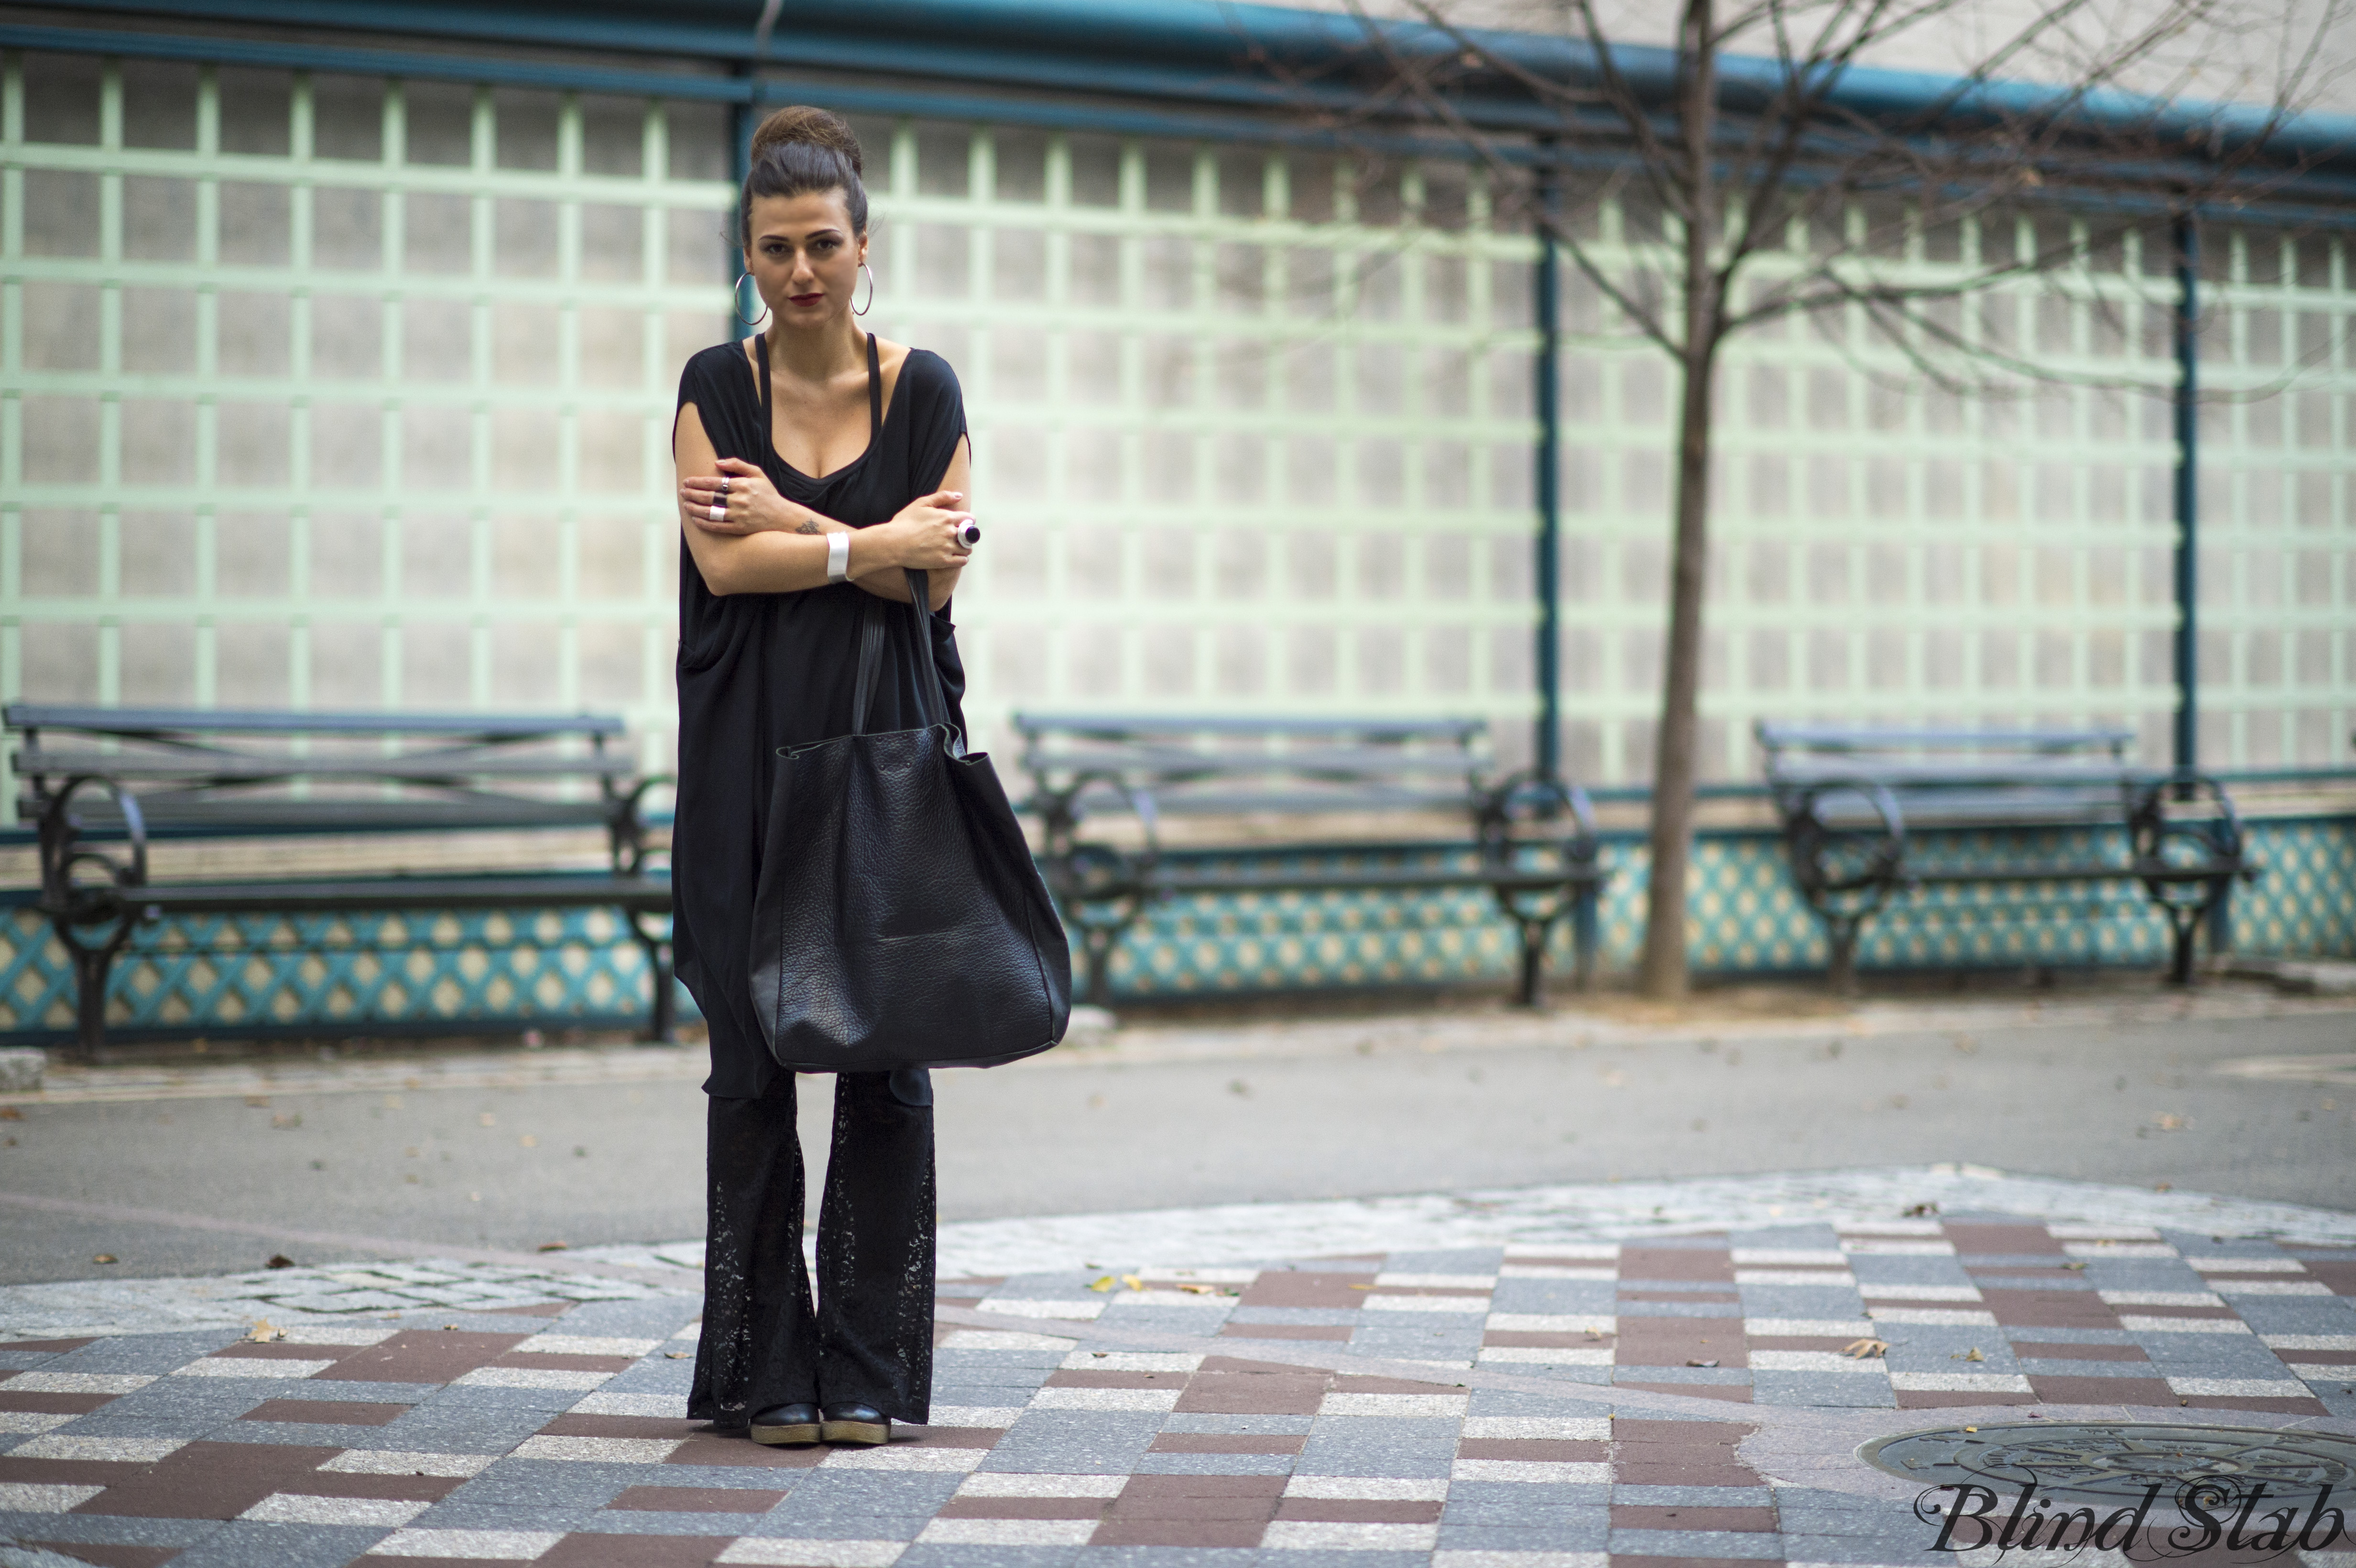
(1560, 1405)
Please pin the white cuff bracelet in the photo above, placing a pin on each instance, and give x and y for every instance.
(837, 557)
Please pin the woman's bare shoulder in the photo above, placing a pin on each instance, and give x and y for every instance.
(890, 355)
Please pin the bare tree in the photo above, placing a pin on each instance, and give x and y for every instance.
(1756, 133)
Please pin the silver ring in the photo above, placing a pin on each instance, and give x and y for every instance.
(723, 484)
(719, 514)
(967, 533)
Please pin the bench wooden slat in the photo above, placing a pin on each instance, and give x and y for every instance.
(321, 896)
(233, 767)
(1934, 777)
(1174, 761)
(166, 816)
(1223, 803)
(1374, 880)
(1846, 738)
(1932, 812)
(138, 721)
(1129, 726)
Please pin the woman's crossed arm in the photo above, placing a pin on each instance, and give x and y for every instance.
(746, 538)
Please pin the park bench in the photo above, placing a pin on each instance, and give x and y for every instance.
(104, 784)
(1870, 814)
(1531, 841)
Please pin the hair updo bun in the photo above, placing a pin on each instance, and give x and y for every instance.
(800, 150)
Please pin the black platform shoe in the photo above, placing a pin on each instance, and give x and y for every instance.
(862, 1426)
(787, 1425)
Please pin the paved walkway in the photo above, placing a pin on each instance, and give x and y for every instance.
(1608, 1377)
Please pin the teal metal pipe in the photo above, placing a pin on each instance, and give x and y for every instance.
(2188, 493)
(1546, 291)
(1213, 50)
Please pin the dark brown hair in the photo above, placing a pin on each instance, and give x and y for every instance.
(800, 150)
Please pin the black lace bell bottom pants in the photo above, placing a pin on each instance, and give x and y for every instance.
(870, 1337)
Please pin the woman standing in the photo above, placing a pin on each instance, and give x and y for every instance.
(815, 463)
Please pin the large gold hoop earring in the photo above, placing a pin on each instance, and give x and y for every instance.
(735, 302)
(863, 309)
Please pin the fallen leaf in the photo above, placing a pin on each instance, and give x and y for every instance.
(528, 1141)
(554, 1246)
(259, 1101)
(1101, 1285)
(1865, 1350)
(1133, 1281)
(264, 1333)
(1595, 1333)
(279, 1260)
(2169, 1122)
(1971, 1429)
(10, 1113)
(1199, 1289)
(1971, 1355)
(1919, 1210)
(2077, 1266)
(1697, 1361)
(104, 1258)
(674, 1355)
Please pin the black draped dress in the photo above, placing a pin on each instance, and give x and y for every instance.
(757, 672)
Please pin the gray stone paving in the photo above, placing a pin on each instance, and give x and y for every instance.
(1496, 1381)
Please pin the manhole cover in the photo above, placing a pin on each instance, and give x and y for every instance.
(2108, 1461)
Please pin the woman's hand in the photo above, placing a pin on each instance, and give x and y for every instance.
(923, 535)
(739, 499)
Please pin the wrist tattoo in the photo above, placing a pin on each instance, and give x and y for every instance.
(809, 525)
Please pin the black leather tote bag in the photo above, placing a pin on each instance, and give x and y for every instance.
(899, 920)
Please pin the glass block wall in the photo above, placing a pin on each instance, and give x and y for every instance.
(345, 391)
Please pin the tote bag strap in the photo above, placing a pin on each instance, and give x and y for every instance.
(932, 702)
(871, 660)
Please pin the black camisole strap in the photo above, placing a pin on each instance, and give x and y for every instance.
(875, 392)
(768, 424)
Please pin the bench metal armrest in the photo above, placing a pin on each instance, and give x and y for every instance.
(1809, 838)
(2208, 837)
(627, 827)
(62, 851)
(1532, 796)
